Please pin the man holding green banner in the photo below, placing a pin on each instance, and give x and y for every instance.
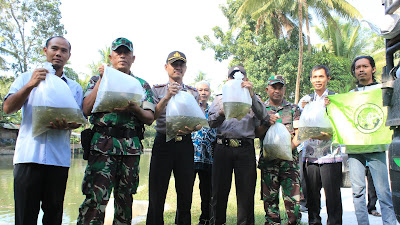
(358, 119)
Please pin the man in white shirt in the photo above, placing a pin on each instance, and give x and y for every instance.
(323, 163)
(41, 163)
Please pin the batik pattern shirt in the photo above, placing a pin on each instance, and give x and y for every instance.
(203, 141)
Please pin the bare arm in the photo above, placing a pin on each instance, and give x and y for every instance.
(15, 101)
(89, 100)
(263, 128)
(145, 115)
(295, 141)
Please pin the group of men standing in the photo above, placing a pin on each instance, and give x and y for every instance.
(41, 163)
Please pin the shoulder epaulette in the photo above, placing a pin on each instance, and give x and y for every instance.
(218, 94)
(159, 85)
(191, 88)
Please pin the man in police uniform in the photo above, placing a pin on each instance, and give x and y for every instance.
(115, 147)
(235, 151)
(176, 155)
(276, 173)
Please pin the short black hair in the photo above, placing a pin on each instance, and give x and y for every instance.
(48, 40)
(353, 66)
(321, 67)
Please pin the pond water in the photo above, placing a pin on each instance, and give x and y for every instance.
(73, 194)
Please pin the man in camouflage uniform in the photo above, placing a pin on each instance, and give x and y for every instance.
(176, 155)
(115, 147)
(276, 173)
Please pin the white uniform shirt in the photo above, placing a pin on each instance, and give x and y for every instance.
(50, 148)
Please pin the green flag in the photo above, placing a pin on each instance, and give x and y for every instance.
(358, 118)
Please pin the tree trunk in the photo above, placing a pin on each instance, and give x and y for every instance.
(297, 93)
(307, 26)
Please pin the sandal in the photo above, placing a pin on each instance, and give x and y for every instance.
(375, 213)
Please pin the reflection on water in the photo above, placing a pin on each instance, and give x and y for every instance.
(73, 194)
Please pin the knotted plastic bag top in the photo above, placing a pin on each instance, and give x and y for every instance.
(236, 99)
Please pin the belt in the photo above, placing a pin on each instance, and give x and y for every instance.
(178, 138)
(234, 142)
(116, 132)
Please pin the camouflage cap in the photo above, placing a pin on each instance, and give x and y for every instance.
(122, 42)
(175, 56)
(276, 79)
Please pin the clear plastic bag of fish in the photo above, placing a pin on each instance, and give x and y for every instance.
(183, 111)
(313, 121)
(236, 99)
(277, 143)
(116, 90)
(53, 100)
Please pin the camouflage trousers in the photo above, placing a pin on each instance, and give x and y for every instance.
(103, 174)
(285, 174)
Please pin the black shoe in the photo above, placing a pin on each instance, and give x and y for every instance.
(204, 222)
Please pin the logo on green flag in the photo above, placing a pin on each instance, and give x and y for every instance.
(358, 118)
(368, 118)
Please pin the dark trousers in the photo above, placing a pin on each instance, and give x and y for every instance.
(327, 176)
(205, 194)
(167, 157)
(35, 184)
(242, 161)
(372, 198)
(303, 184)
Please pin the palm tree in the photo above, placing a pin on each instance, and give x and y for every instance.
(344, 39)
(281, 13)
(277, 14)
(300, 65)
(104, 53)
(323, 10)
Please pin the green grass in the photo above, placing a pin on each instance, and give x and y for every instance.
(169, 215)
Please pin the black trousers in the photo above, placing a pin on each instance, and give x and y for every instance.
(35, 184)
(167, 157)
(205, 194)
(327, 176)
(372, 198)
(303, 193)
(242, 161)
